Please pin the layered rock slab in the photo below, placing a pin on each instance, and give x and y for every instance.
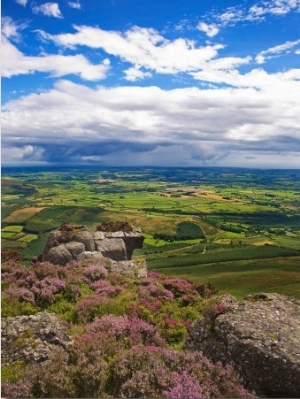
(70, 242)
(260, 336)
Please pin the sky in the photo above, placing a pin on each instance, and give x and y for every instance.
(185, 83)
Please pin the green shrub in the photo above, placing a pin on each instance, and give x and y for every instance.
(11, 307)
(12, 372)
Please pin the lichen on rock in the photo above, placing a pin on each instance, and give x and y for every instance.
(32, 338)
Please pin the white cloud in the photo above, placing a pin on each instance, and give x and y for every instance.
(10, 29)
(276, 7)
(141, 47)
(230, 16)
(190, 126)
(276, 51)
(48, 9)
(280, 84)
(133, 74)
(16, 63)
(257, 12)
(74, 4)
(210, 29)
(22, 2)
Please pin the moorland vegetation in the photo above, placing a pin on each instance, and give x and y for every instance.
(127, 334)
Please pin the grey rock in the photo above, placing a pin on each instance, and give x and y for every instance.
(68, 243)
(130, 268)
(75, 248)
(86, 237)
(260, 336)
(98, 235)
(91, 256)
(113, 248)
(32, 338)
(114, 234)
(59, 255)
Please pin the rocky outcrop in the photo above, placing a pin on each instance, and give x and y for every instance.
(70, 242)
(260, 336)
(32, 338)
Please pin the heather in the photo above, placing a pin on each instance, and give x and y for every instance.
(127, 334)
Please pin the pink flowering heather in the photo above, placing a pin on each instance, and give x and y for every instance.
(44, 290)
(152, 304)
(167, 295)
(46, 269)
(134, 328)
(18, 274)
(115, 325)
(104, 288)
(178, 286)
(86, 309)
(143, 373)
(149, 288)
(184, 385)
(19, 389)
(154, 275)
(114, 356)
(94, 273)
(143, 332)
(22, 294)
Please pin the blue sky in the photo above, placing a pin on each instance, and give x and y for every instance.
(160, 82)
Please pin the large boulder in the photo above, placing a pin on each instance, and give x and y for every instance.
(75, 248)
(59, 255)
(86, 238)
(32, 338)
(260, 336)
(70, 242)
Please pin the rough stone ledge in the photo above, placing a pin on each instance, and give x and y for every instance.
(32, 338)
(261, 337)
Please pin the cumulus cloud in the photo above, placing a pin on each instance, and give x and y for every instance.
(16, 63)
(141, 47)
(124, 125)
(48, 9)
(210, 29)
(249, 118)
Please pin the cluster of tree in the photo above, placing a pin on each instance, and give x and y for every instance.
(184, 231)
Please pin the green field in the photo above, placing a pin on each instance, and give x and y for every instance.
(244, 277)
(238, 228)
